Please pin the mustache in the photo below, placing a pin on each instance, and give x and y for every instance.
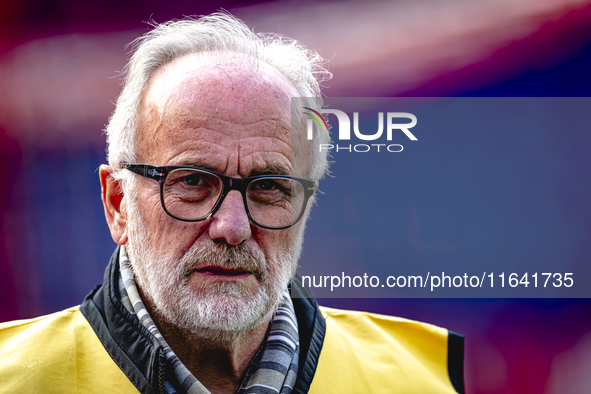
(232, 257)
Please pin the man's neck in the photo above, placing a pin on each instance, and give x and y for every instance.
(217, 364)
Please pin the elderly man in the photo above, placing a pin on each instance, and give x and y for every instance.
(207, 191)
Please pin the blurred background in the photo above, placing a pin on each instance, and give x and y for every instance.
(60, 63)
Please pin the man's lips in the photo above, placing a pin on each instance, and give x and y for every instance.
(222, 271)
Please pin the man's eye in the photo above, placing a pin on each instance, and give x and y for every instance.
(266, 185)
(193, 180)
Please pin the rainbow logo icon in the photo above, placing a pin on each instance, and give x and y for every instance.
(316, 117)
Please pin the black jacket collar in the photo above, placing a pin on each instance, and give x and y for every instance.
(132, 346)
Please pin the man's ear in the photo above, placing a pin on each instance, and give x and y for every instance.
(112, 196)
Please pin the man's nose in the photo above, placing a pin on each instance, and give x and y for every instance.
(230, 224)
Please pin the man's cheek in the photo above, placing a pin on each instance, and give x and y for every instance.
(277, 244)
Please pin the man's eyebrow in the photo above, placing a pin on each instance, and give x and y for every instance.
(195, 162)
(271, 169)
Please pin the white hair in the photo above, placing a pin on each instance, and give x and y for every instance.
(218, 32)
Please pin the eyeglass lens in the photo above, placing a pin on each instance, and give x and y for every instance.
(272, 202)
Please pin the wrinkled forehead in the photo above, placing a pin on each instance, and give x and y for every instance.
(212, 89)
(227, 86)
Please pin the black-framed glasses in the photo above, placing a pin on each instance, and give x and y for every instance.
(192, 194)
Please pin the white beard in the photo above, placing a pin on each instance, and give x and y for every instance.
(221, 311)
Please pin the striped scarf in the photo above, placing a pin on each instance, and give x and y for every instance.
(272, 371)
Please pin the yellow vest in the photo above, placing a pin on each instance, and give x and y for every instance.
(369, 353)
(362, 353)
(57, 353)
